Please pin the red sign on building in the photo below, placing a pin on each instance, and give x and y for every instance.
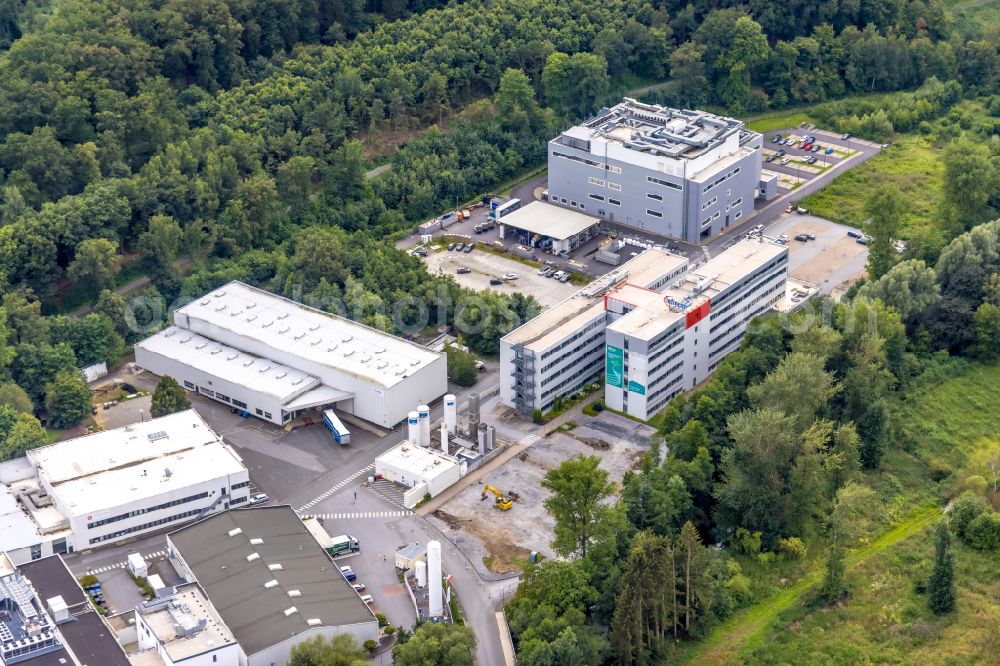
(699, 313)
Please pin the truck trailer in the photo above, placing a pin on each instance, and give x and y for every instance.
(344, 544)
(340, 433)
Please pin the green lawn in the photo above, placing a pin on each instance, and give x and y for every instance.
(779, 120)
(913, 164)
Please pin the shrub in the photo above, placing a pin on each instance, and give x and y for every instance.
(976, 484)
(389, 630)
(88, 580)
(537, 416)
(370, 645)
(792, 547)
(382, 622)
(983, 533)
(963, 511)
(746, 542)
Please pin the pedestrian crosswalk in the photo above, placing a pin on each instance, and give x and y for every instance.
(528, 440)
(360, 514)
(121, 565)
(335, 488)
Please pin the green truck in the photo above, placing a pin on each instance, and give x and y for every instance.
(345, 544)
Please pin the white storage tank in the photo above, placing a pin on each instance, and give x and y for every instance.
(424, 418)
(421, 568)
(435, 603)
(451, 412)
(413, 428)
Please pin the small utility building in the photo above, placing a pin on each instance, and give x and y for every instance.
(548, 227)
(275, 359)
(424, 470)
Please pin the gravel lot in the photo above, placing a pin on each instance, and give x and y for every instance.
(834, 260)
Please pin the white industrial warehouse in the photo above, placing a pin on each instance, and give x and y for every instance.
(276, 359)
(117, 484)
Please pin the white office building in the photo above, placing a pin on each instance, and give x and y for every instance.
(650, 329)
(118, 484)
(276, 359)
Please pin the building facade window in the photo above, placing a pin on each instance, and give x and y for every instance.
(188, 384)
(615, 186)
(614, 202)
(595, 181)
(654, 197)
(596, 197)
(653, 213)
(710, 202)
(664, 183)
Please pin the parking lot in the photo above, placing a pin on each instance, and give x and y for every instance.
(791, 163)
(486, 265)
(833, 261)
(506, 537)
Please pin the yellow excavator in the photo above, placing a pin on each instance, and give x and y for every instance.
(502, 503)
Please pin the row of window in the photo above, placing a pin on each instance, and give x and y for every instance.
(741, 330)
(592, 342)
(653, 213)
(576, 336)
(584, 160)
(710, 202)
(658, 181)
(738, 286)
(145, 526)
(597, 348)
(721, 179)
(577, 379)
(139, 512)
(601, 183)
(718, 322)
(234, 401)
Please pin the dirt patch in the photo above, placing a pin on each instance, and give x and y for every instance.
(498, 541)
(637, 459)
(593, 442)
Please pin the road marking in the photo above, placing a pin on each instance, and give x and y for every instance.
(336, 487)
(528, 440)
(120, 565)
(362, 514)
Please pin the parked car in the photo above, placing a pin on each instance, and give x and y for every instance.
(360, 587)
(811, 160)
(759, 229)
(809, 236)
(783, 238)
(816, 148)
(828, 151)
(564, 254)
(776, 138)
(781, 153)
(495, 281)
(510, 276)
(863, 240)
(785, 160)
(459, 247)
(846, 136)
(558, 275)
(854, 234)
(462, 270)
(451, 246)
(367, 598)
(259, 498)
(466, 213)
(543, 270)
(469, 248)
(769, 158)
(348, 574)
(565, 277)
(480, 366)
(802, 238)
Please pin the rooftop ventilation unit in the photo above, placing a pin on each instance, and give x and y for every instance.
(294, 593)
(205, 302)
(282, 315)
(247, 363)
(236, 313)
(271, 583)
(170, 332)
(347, 338)
(275, 567)
(220, 294)
(230, 357)
(284, 330)
(201, 345)
(236, 530)
(221, 308)
(349, 352)
(267, 324)
(299, 336)
(256, 541)
(159, 434)
(253, 557)
(186, 340)
(215, 351)
(251, 305)
(314, 327)
(264, 369)
(281, 375)
(291, 611)
(314, 622)
(332, 348)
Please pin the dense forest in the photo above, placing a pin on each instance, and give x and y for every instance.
(198, 142)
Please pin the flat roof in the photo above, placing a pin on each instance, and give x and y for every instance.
(258, 374)
(146, 459)
(268, 590)
(659, 131)
(52, 578)
(17, 529)
(314, 336)
(93, 642)
(570, 315)
(186, 609)
(652, 315)
(545, 219)
(425, 463)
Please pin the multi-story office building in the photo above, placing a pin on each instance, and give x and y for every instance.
(659, 344)
(682, 174)
(562, 349)
(651, 327)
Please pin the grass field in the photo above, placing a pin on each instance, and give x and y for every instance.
(946, 431)
(780, 120)
(912, 164)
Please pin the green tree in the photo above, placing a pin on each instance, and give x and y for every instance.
(579, 487)
(515, 100)
(168, 398)
(969, 179)
(15, 397)
(67, 399)
(576, 84)
(855, 508)
(799, 387)
(987, 325)
(25, 433)
(35, 366)
(341, 650)
(886, 206)
(834, 587)
(910, 288)
(687, 67)
(437, 644)
(983, 533)
(964, 510)
(161, 240)
(435, 96)
(941, 583)
(95, 264)
(461, 366)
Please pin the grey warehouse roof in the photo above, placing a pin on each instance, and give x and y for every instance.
(548, 220)
(267, 576)
(314, 336)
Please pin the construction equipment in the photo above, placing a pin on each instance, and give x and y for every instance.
(501, 502)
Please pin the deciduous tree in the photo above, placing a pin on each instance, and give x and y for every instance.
(579, 487)
(168, 398)
(67, 399)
